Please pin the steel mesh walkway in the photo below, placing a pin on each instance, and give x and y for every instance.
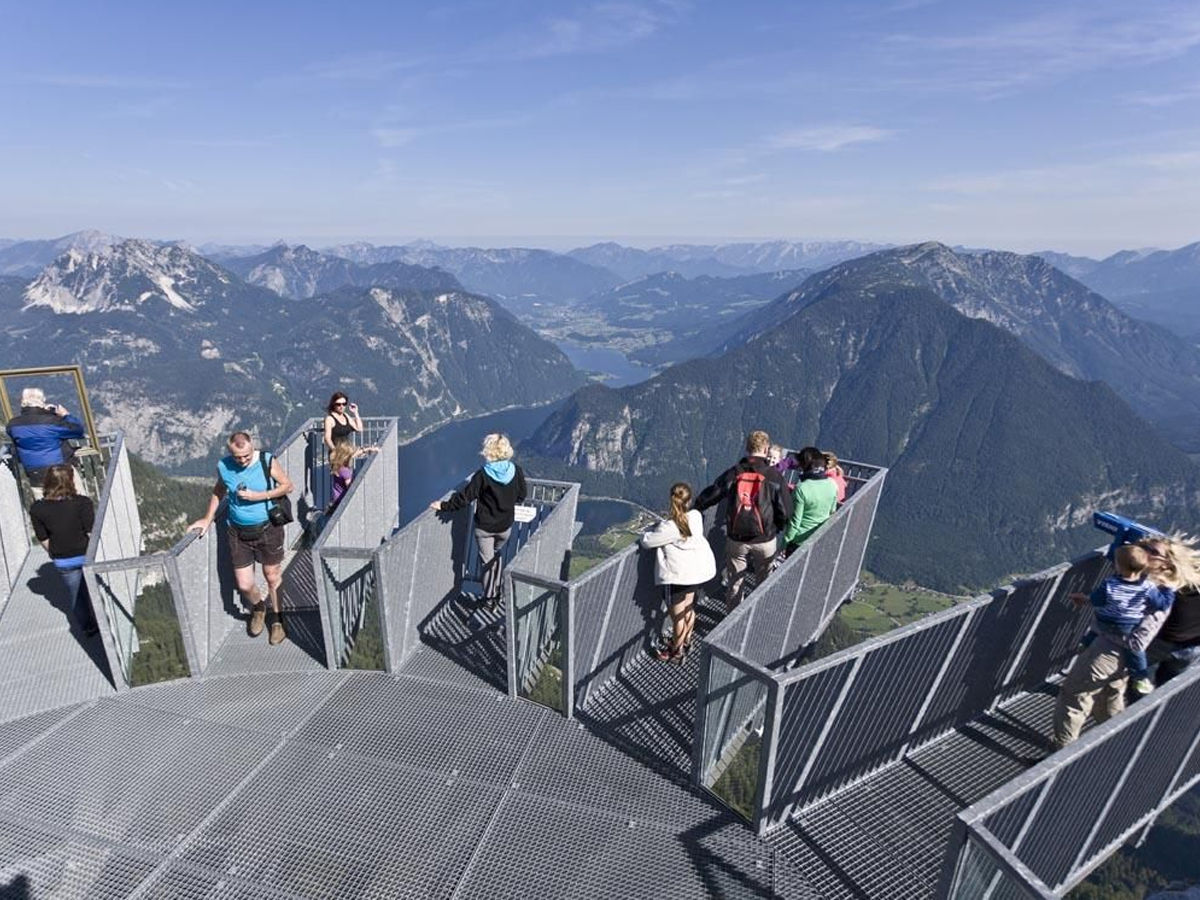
(649, 710)
(303, 650)
(43, 663)
(330, 784)
(887, 835)
(464, 645)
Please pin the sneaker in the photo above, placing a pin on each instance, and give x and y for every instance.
(258, 616)
(1142, 686)
(277, 633)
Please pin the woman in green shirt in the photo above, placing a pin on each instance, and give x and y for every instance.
(814, 500)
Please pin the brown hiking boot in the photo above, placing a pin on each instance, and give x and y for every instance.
(277, 633)
(258, 615)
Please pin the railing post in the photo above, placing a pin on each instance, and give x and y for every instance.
(567, 639)
(768, 747)
(701, 717)
(179, 601)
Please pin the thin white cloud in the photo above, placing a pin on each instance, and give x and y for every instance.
(106, 82)
(1164, 98)
(395, 137)
(1052, 44)
(391, 134)
(371, 66)
(602, 26)
(1122, 174)
(594, 28)
(224, 143)
(827, 138)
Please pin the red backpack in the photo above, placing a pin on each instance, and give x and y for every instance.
(746, 514)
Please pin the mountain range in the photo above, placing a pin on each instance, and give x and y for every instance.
(178, 350)
(997, 457)
(515, 275)
(720, 260)
(1161, 286)
(27, 258)
(300, 273)
(1073, 328)
(668, 317)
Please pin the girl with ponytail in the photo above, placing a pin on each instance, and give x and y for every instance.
(683, 562)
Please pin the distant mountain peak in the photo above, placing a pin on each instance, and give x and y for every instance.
(123, 276)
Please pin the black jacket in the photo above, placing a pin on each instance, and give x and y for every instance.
(779, 494)
(494, 501)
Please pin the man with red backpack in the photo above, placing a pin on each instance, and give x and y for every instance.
(759, 507)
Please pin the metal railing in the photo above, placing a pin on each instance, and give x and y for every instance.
(793, 608)
(1042, 833)
(117, 535)
(536, 603)
(611, 610)
(616, 605)
(744, 658)
(343, 553)
(826, 725)
(196, 576)
(200, 574)
(424, 565)
(14, 531)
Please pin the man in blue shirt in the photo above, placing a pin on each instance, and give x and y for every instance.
(40, 434)
(252, 538)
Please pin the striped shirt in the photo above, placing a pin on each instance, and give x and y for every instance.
(1125, 603)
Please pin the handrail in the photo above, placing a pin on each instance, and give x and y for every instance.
(366, 515)
(14, 532)
(117, 534)
(1144, 760)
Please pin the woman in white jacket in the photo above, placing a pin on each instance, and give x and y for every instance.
(683, 562)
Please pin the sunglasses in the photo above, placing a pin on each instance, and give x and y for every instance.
(340, 403)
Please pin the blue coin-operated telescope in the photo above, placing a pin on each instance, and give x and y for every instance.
(1123, 530)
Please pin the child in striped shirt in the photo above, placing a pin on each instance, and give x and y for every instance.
(1121, 602)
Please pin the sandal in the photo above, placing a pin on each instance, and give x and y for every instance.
(668, 653)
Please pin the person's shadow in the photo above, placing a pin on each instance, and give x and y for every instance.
(20, 888)
(48, 584)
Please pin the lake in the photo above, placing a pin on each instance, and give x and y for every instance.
(597, 516)
(436, 463)
(596, 358)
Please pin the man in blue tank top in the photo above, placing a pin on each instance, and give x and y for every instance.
(252, 537)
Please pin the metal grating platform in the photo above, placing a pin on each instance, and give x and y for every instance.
(43, 662)
(463, 645)
(336, 784)
(886, 836)
(304, 647)
(649, 710)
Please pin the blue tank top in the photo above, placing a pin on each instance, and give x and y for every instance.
(242, 512)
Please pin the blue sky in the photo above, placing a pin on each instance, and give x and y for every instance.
(1022, 125)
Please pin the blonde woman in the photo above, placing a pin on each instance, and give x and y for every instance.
(496, 487)
(1175, 564)
(683, 561)
(341, 471)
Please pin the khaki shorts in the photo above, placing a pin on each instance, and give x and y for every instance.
(255, 545)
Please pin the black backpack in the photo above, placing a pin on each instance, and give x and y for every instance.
(749, 507)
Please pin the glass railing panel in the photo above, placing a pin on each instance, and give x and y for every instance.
(140, 612)
(349, 586)
(979, 875)
(733, 708)
(14, 530)
(538, 642)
